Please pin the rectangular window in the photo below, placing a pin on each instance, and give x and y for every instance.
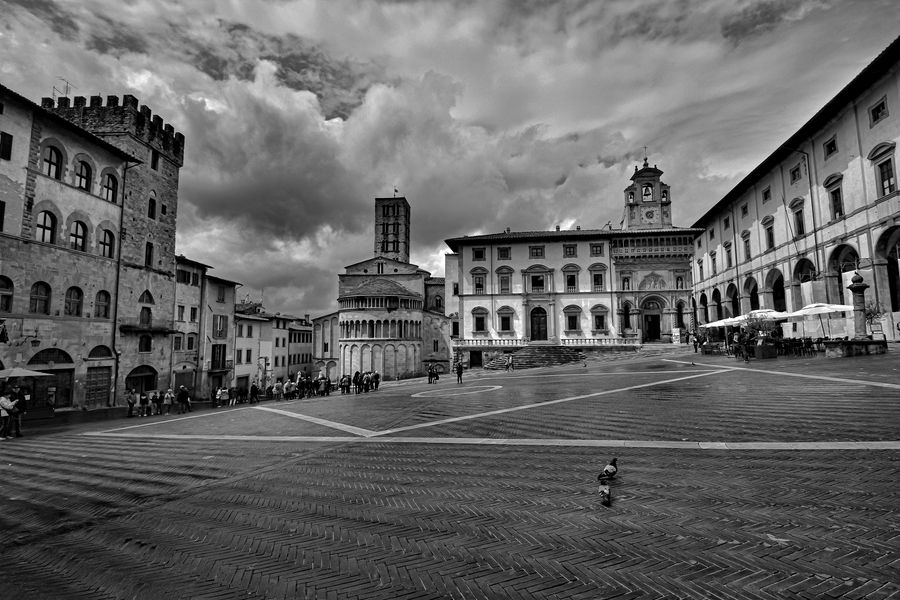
(726, 223)
(239, 356)
(712, 262)
(600, 322)
(177, 342)
(537, 283)
(712, 234)
(570, 250)
(193, 314)
(878, 111)
(700, 269)
(220, 293)
(249, 355)
(477, 254)
(747, 254)
(479, 323)
(220, 326)
(799, 226)
(795, 174)
(182, 276)
(744, 210)
(767, 194)
(596, 249)
(536, 252)
(571, 283)
(728, 263)
(148, 255)
(478, 284)
(886, 181)
(505, 323)
(454, 329)
(154, 160)
(770, 237)
(830, 147)
(504, 283)
(503, 253)
(195, 279)
(837, 203)
(5, 145)
(190, 342)
(434, 346)
(240, 330)
(180, 313)
(699, 243)
(218, 356)
(456, 289)
(572, 322)
(597, 282)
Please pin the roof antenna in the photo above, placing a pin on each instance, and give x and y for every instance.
(65, 91)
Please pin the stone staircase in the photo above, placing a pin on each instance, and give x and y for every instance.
(537, 356)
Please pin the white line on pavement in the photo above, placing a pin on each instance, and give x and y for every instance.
(892, 386)
(318, 421)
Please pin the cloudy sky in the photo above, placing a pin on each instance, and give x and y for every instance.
(484, 114)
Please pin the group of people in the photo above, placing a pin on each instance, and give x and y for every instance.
(13, 406)
(154, 403)
(361, 382)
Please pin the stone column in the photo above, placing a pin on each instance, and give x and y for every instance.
(858, 288)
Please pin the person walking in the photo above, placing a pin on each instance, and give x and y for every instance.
(21, 407)
(7, 406)
(459, 372)
(168, 399)
(132, 399)
(509, 362)
(184, 400)
(254, 393)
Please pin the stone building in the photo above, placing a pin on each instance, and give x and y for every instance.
(823, 206)
(144, 296)
(387, 319)
(190, 305)
(63, 209)
(582, 288)
(217, 335)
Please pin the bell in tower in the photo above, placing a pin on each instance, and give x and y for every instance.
(647, 200)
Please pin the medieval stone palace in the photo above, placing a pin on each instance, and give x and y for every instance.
(581, 288)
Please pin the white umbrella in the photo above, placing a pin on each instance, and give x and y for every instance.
(819, 309)
(768, 314)
(20, 372)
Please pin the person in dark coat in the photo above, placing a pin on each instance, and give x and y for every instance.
(15, 417)
(254, 393)
(459, 372)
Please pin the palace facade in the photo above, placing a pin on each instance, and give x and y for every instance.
(583, 288)
(822, 207)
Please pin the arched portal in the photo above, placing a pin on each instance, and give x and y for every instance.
(717, 301)
(538, 324)
(844, 262)
(651, 310)
(141, 379)
(775, 286)
(733, 305)
(887, 256)
(751, 292)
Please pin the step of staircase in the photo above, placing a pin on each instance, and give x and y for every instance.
(532, 357)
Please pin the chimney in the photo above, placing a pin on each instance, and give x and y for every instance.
(557, 227)
(578, 228)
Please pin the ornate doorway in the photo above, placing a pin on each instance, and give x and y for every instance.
(538, 324)
(652, 314)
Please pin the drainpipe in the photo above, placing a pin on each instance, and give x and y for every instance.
(115, 307)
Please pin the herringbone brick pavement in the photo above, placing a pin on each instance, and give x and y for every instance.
(106, 517)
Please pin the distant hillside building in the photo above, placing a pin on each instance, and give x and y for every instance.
(88, 200)
(390, 316)
(823, 206)
(582, 288)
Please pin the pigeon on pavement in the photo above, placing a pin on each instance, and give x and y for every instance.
(609, 471)
(605, 497)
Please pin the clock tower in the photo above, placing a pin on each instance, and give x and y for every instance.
(648, 201)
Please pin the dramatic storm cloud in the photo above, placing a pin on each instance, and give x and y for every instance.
(485, 115)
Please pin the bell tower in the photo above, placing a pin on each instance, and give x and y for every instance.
(392, 228)
(648, 201)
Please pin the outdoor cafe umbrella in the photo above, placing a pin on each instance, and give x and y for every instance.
(20, 372)
(819, 309)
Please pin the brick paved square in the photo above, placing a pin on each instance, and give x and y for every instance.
(764, 481)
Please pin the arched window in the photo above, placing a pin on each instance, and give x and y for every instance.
(6, 294)
(45, 229)
(52, 162)
(78, 236)
(100, 352)
(145, 343)
(151, 207)
(146, 316)
(146, 297)
(74, 301)
(101, 305)
(39, 302)
(110, 188)
(107, 243)
(83, 176)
